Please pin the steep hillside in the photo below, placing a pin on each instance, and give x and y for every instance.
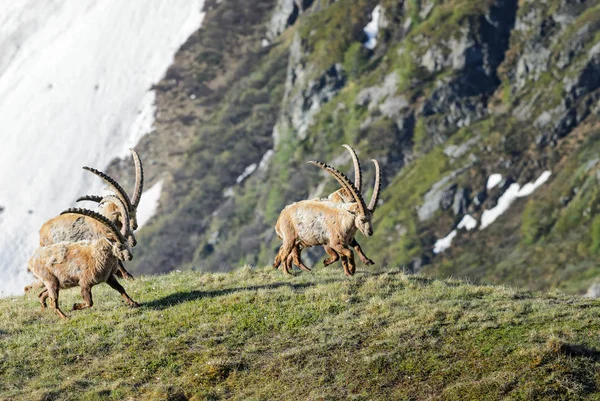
(453, 95)
(255, 334)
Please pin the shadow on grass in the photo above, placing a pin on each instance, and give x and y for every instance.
(181, 297)
(575, 350)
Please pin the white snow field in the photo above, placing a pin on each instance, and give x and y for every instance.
(74, 91)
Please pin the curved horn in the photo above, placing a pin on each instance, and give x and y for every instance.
(377, 187)
(344, 182)
(91, 198)
(120, 192)
(125, 228)
(97, 216)
(139, 179)
(357, 170)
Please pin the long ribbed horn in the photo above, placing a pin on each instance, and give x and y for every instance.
(139, 179)
(119, 191)
(377, 187)
(126, 230)
(357, 170)
(344, 182)
(91, 198)
(97, 216)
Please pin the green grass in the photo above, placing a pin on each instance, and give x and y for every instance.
(255, 334)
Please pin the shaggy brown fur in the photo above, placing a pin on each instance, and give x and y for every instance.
(84, 263)
(73, 227)
(322, 222)
(309, 223)
(342, 195)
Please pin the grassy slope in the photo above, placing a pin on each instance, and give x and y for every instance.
(255, 334)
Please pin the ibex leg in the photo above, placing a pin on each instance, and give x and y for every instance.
(43, 295)
(280, 257)
(284, 253)
(345, 266)
(33, 286)
(86, 294)
(354, 244)
(52, 288)
(112, 281)
(123, 273)
(345, 252)
(295, 255)
(334, 256)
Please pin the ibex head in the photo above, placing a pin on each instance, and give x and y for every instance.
(121, 251)
(116, 211)
(363, 213)
(130, 204)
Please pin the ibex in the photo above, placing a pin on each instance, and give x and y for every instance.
(323, 222)
(83, 263)
(76, 228)
(339, 196)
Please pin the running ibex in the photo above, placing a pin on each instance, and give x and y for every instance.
(82, 263)
(324, 222)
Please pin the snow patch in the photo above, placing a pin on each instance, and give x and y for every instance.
(249, 170)
(530, 187)
(372, 29)
(467, 222)
(149, 204)
(229, 192)
(504, 202)
(493, 180)
(264, 161)
(509, 196)
(444, 243)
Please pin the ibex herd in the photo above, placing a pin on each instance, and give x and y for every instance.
(82, 247)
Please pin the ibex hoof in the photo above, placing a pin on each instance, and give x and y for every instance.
(369, 262)
(134, 305)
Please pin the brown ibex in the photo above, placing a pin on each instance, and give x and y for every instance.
(339, 196)
(323, 222)
(83, 263)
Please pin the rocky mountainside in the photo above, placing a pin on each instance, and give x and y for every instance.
(483, 114)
